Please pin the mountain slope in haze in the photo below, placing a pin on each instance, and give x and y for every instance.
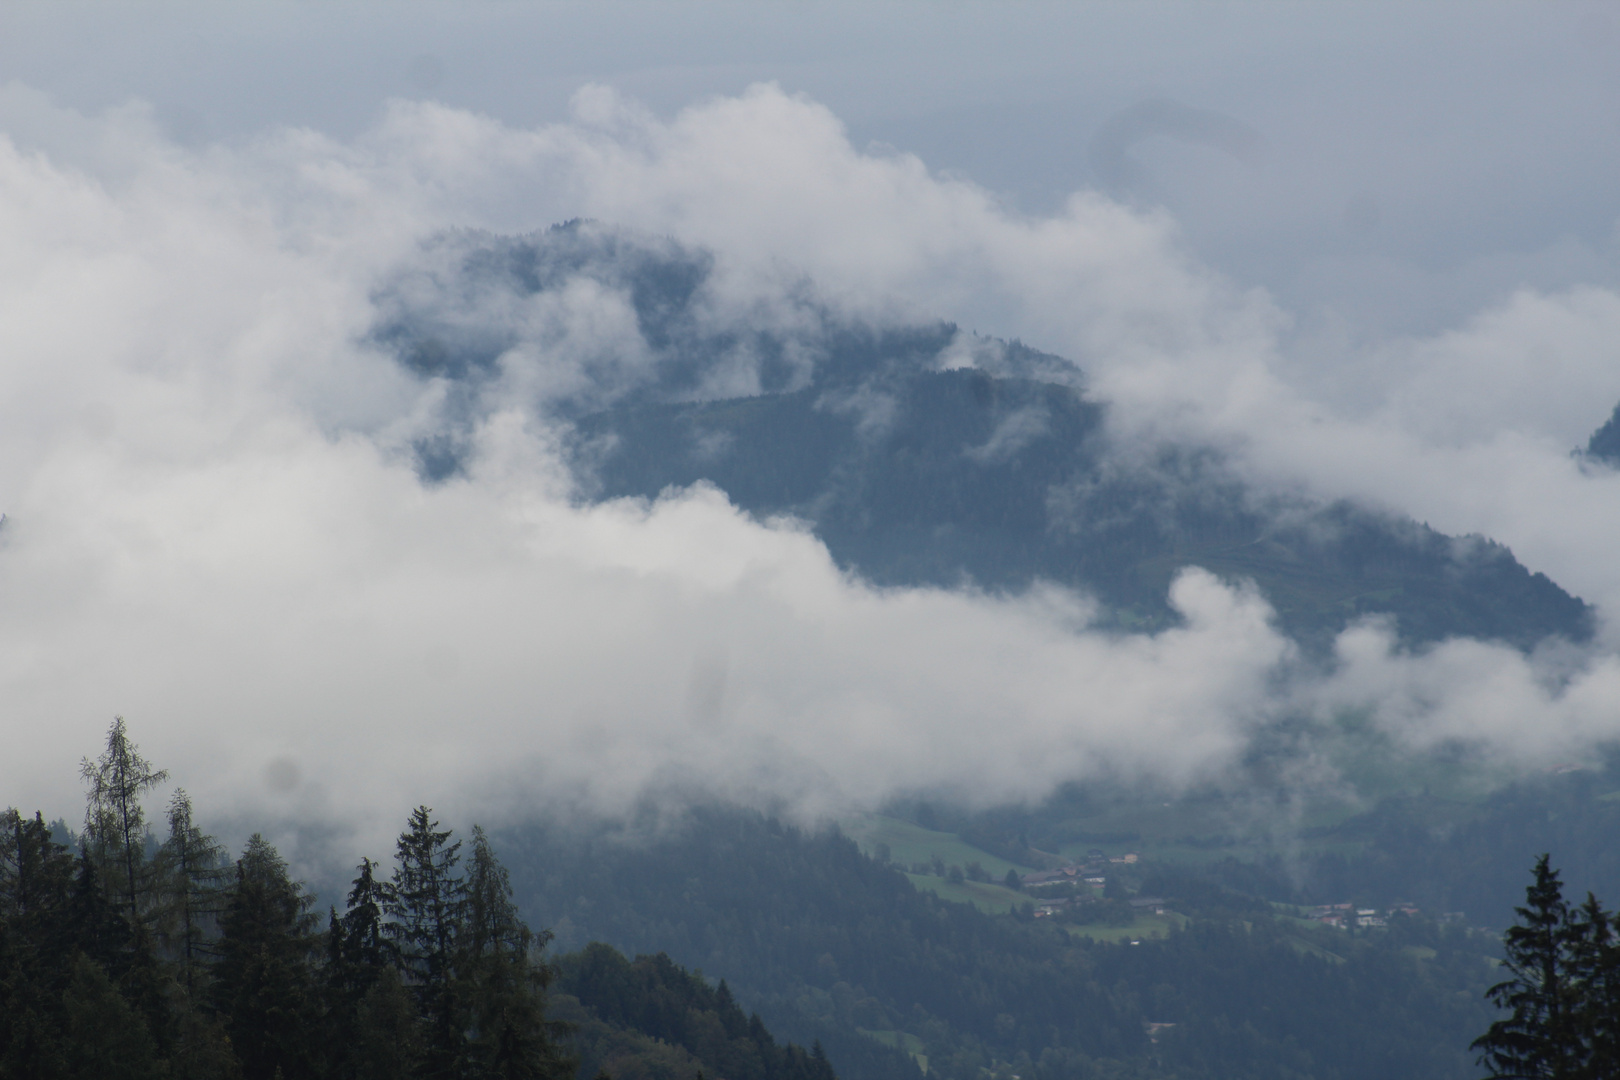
(649, 1019)
(831, 945)
(920, 455)
(1604, 445)
(1001, 482)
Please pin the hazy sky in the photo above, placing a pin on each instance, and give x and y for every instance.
(1413, 161)
(1368, 251)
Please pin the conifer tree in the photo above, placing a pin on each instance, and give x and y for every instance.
(503, 979)
(105, 1039)
(115, 823)
(1543, 1037)
(36, 881)
(359, 955)
(387, 1032)
(36, 876)
(95, 926)
(1594, 959)
(428, 906)
(195, 876)
(264, 981)
(367, 947)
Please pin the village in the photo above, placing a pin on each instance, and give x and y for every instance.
(1064, 890)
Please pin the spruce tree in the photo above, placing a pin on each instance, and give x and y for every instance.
(36, 882)
(360, 954)
(428, 906)
(1544, 1036)
(96, 926)
(264, 981)
(367, 947)
(1594, 958)
(387, 1032)
(36, 877)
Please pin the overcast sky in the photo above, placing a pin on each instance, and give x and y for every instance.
(1413, 161)
(1370, 251)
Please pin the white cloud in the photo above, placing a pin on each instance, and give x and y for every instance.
(214, 531)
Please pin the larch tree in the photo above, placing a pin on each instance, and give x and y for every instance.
(503, 978)
(115, 823)
(194, 876)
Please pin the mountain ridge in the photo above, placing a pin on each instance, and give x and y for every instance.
(920, 454)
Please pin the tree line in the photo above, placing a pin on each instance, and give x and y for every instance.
(133, 959)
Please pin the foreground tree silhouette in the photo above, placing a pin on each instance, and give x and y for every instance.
(428, 905)
(264, 982)
(1562, 989)
(369, 1030)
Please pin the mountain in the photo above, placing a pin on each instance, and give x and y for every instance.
(921, 455)
(1604, 445)
(1004, 481)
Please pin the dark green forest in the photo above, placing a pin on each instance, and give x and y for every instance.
(123, 956)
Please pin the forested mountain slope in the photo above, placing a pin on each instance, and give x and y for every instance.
(831, 945)
(126, 958)
(920, 454)
(650, 1019)
(1004, 481)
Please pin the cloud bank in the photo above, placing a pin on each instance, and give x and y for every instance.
(215, 527)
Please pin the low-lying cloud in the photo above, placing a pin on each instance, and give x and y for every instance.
(216, 525)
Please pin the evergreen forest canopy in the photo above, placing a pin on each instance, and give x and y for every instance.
(133, 958)
(923, 455)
